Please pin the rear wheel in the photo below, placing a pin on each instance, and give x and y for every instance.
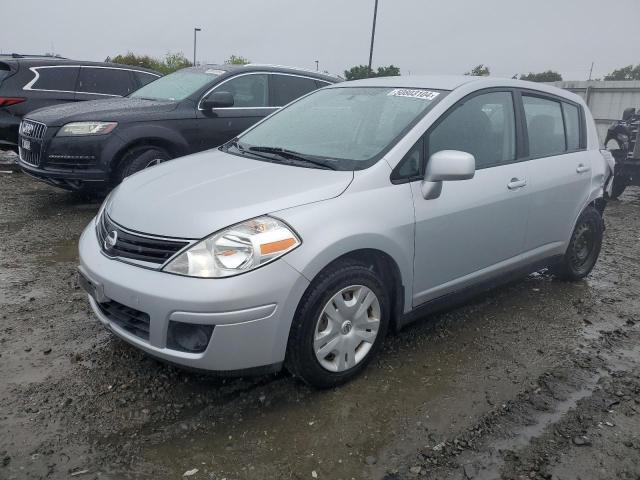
(584, 247)
(140, 158)
(339, 326)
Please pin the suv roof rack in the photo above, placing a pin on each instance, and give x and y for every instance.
(24, 55)
(308, 70)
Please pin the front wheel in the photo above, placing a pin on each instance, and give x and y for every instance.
(140, 158)
(339, 326)
(584, 247)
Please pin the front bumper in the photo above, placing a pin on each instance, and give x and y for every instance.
(71, 162)
(252, 313)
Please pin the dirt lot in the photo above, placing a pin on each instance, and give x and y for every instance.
(540, 379)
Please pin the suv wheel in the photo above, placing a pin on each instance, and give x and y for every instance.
(584, 247)
(339, 326)
(139, 158)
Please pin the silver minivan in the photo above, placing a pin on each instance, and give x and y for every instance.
(352, 210)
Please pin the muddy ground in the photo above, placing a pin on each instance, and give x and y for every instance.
(539, 379)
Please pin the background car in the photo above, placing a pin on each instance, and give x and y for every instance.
(623, 141)
(29, 82)
(93, 146)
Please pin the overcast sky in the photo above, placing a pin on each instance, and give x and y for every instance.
(419, 36)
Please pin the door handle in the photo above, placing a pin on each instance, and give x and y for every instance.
(516, 183)
(582, 168)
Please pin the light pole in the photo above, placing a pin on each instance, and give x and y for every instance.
(373, 34)
(195, 31)
(317, 63)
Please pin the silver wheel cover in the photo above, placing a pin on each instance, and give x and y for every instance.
(347, 328)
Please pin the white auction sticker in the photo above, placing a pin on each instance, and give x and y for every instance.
(413, 93)
(211, 71)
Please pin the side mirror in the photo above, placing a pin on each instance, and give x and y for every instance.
(218, 100)
(446, 166)
(628, 113)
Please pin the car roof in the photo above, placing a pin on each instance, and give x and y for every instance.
(51, 61)
(452, 82)
(258, 67)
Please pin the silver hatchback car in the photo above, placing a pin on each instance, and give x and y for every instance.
(351, 211)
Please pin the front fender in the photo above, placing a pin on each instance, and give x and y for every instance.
(135, 133)
(378, 219)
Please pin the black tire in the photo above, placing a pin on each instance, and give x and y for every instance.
(139, 158)
(618, 187)
(584, 247)
(301, 359)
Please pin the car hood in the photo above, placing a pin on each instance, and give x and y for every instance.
(107, 110)
(197, 195)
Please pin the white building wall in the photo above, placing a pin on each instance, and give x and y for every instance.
(606, 99)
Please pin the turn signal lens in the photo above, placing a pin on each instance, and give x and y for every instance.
(237, 249)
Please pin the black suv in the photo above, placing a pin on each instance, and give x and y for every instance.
(92, 146)
(31, 82)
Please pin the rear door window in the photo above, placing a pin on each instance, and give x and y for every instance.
(545, 127)
(105, 81)
(62, 79)
(286, 88)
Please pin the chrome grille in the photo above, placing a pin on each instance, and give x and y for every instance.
(136, 246)
(32, 130)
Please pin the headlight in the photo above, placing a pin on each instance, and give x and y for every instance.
(237, 249)
(87, 128)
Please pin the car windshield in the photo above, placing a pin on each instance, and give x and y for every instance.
(177, 85)
(346, 128)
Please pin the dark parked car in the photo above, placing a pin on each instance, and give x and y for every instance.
(92, 146)
(28, 83)
(623, 141)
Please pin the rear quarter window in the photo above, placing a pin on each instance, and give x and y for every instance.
(56, 78)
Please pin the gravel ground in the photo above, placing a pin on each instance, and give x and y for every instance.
(539, 379)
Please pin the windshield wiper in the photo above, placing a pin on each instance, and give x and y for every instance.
(291, 155)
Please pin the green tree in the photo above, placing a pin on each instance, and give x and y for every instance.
(362, 71)
(625, 73)
(548, 76)
(173, 62)
(169, 63)
(237, 60)
(479, 71)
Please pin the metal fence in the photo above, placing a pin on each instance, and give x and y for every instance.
(606, 99)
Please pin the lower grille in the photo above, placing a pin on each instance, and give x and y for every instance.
(129, 319)
(30, 157)
(135, 246)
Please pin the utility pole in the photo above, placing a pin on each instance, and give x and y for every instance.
(373, 34)
(590, 70)
(317, 63)
(195, 31)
